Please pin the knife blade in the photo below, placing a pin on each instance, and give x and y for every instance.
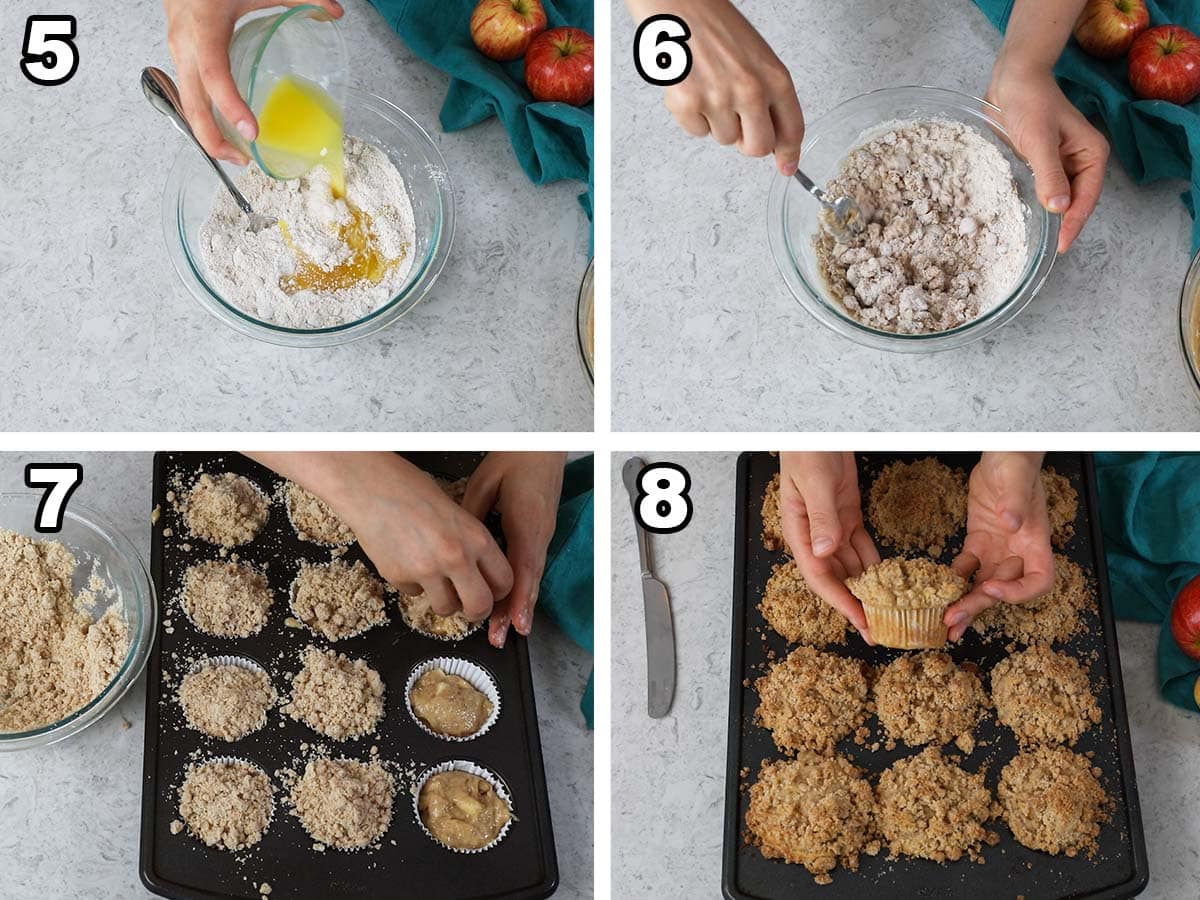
(656, 602)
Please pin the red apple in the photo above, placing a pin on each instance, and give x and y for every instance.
(1106, 28)
(1185, 618)
(503, 29)
(1196, 690)
(1164, 64)
(558, 66)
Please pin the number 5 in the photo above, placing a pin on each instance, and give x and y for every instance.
(62, 479)
(48, 56)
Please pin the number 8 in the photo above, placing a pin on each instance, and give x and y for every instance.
(663, 504)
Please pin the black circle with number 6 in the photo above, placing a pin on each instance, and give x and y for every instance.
(663, 505)
(660, 51)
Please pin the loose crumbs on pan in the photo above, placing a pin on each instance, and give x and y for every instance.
(1062, 506)
(56, 655)
(344, 803)
(226, 804)
(1044, 696)
(925, 698)
(772, 533)
(313, 519)
(815, 811)
(337, 696)
(227, 599)
(226, 509)
(1052, 800)
(918, 506)
(225, 700)
(811, 700)
(338, 600)
(792, 608)
(932, 809)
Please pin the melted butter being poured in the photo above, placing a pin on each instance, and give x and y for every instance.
(300, 127)
(365, 263)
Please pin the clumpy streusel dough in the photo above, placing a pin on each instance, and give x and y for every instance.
(344, 803)
(1053, 801)
(226, 804)
(794, 611)
(1044, 696)
(313, 519)
(338, 600)
(812, 699)
(226, 509)
(337, 696)
(925, 698)
(815, 811)
(772, 533)
(932, 809)
(228, 599)
(56, 653)
(226, 700)
(918, 505)
(1062, 506)
(945, 236)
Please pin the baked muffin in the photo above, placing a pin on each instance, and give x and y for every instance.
(930, 808)
(1044, 696)
(1056, 617)
(814, 811)
(925, 698)
(905, 601)
(1062, 505)
(1052, 800)
(795, 612)
(812, 700)
(772, 533)
(918, 506)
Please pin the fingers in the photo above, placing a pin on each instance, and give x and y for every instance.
(757, 136)
(441, 596)
(1086, 187)
(474, 593)
(480, 496)
(959, 615)
(198, 111)
(824, 524)
(830, 588)
(724, 126)
(868, 553)
(1043, 152)
(788, 119)
(332, 7)
(213, 67)
(965, 564)
(498, 624)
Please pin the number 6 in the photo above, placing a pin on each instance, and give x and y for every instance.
(49, 56)
(660, 51)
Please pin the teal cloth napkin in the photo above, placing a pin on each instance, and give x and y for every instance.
(566, 593)
(1148, 504)
(1152, 138)
(552, 141)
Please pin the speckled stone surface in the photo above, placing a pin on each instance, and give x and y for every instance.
(102, 335)
(706, 335)
(70, 813)
(683, 755)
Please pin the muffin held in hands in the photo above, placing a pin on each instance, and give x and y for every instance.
(905, 601)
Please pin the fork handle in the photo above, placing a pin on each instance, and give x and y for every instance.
(807, 184)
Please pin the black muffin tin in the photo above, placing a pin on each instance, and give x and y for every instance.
(407, 862)
(1011, 870)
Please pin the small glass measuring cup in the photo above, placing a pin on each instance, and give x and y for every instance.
(304, 43)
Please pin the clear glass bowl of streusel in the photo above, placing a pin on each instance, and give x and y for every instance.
(111, 573)
(192, 187)
(794, 217)
(1189, 323)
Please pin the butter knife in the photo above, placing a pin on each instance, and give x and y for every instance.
(660, 632)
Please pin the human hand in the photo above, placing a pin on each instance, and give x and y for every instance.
(524, 488)
(1068, 155)
(198, 35)
(1008, 537)
(821, 509)
(737, 90)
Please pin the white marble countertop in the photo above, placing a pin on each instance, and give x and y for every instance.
(699, 303)
(683, 755)
(70, 813)
(102, 335)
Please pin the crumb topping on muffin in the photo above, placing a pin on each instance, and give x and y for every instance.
(925, 698)
(812, 699)
(918, 506)
(792, 608)
(1043, 696)
(1052, 800)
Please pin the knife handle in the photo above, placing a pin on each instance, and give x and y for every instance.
(629, 474)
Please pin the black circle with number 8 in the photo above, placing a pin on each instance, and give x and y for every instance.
(663, 505)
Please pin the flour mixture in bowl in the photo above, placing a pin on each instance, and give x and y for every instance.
(331, 260)
(946, 229)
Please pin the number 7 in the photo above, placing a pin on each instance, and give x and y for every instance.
(61, 479)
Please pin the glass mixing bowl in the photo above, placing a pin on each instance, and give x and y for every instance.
(192, 187)
(93, 540)
(1189, 322)
(793, 214)
(302, 42)
(585, 324)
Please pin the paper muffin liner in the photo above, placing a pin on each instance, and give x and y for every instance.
(225, 759)
(907, 628)
(453, 639)
(242, 662)
(365, 848)
(295, 615)
(475, 675)
(301, 534)
(463, 765)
